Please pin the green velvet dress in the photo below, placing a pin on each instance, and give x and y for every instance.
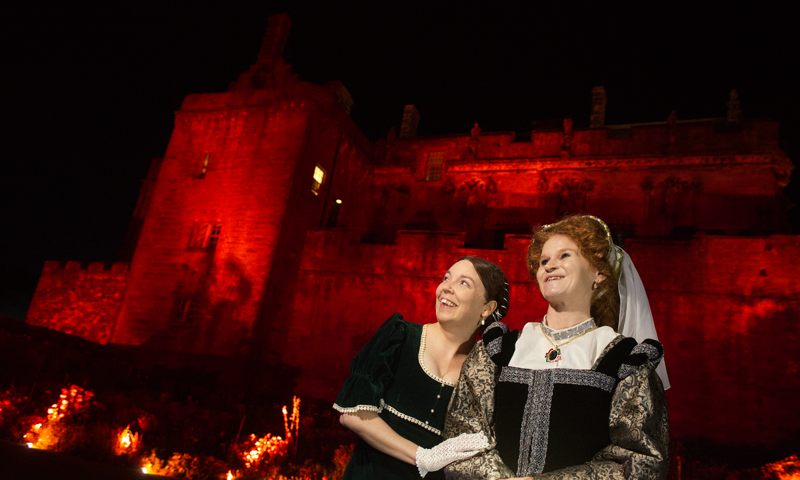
(388, 376)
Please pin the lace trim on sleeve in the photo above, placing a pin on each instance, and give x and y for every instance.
(358, 408)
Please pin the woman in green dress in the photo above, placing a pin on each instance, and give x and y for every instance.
(397, 395)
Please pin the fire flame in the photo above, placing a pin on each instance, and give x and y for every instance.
(786, 469)
(267, 447)
(127, 442)
(44, 435)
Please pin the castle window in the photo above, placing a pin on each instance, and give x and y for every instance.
(186, 311)
(203, 166)
(433, 170)
(319, 177)
(205, 236)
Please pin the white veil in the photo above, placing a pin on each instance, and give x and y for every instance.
(635, 317)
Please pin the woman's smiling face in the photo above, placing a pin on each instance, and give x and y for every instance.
(564, 276)
(461, 297)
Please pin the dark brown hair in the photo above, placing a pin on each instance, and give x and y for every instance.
(593, 245)
(494, 282)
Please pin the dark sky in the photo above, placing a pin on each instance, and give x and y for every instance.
(90, 91)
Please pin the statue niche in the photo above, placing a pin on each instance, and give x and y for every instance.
(473, 194)
(571, 196)
(671, 207)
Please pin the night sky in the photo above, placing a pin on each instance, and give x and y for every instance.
(91, 91)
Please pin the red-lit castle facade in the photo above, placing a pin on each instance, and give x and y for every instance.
(273, 223)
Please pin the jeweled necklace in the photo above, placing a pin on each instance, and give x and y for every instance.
(554, 354)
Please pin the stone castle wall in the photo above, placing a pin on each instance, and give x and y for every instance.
(79, 300)
(726, 310)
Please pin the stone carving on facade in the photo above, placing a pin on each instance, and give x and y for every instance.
(567, 127)
(392, 201)
(566, 139)
(782, 174)
(572, 195)
(491, 186)
(448, 187)
(542, 185)
(474, 194)
(387, 151)
(474, 142)
(671, 205)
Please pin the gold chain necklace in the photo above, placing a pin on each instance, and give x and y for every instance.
(554, 354)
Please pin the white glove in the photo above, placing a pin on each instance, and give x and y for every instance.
(463, 446)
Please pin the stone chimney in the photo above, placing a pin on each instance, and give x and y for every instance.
(274, 41)
(270, 70)
(735, 114)
(410, 121)
(598, 118)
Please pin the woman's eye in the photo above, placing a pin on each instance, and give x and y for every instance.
(565, 255)
(464, 282)
(544, 262)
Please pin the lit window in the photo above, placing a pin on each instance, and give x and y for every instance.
(319, 176)
(205, 236)
(433, 171)
(203, 167)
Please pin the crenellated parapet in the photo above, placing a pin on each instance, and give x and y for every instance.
(81, 299)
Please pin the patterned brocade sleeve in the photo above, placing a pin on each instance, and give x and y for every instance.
(639, 427)
(471, 410)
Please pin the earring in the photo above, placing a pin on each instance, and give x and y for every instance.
(483, 321)
(594, 286)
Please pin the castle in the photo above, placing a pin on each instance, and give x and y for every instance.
(273, 224)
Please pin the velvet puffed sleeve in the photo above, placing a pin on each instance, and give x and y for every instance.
(638, 424)
(471, 410)
(373, 368)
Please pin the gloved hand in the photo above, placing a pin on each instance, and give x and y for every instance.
(449, 451)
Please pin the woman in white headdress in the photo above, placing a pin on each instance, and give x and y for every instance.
(569, 397)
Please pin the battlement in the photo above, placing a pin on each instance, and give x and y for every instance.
(91, 267)
(79, 298)
(656, 139)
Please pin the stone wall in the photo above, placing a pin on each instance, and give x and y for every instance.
(727, 310)
(79, 300)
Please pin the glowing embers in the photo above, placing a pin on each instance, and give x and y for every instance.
(786, 469)
(319, 177)
(268, 450)
(45, 433)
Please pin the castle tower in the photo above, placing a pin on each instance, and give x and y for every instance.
(246, 173)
